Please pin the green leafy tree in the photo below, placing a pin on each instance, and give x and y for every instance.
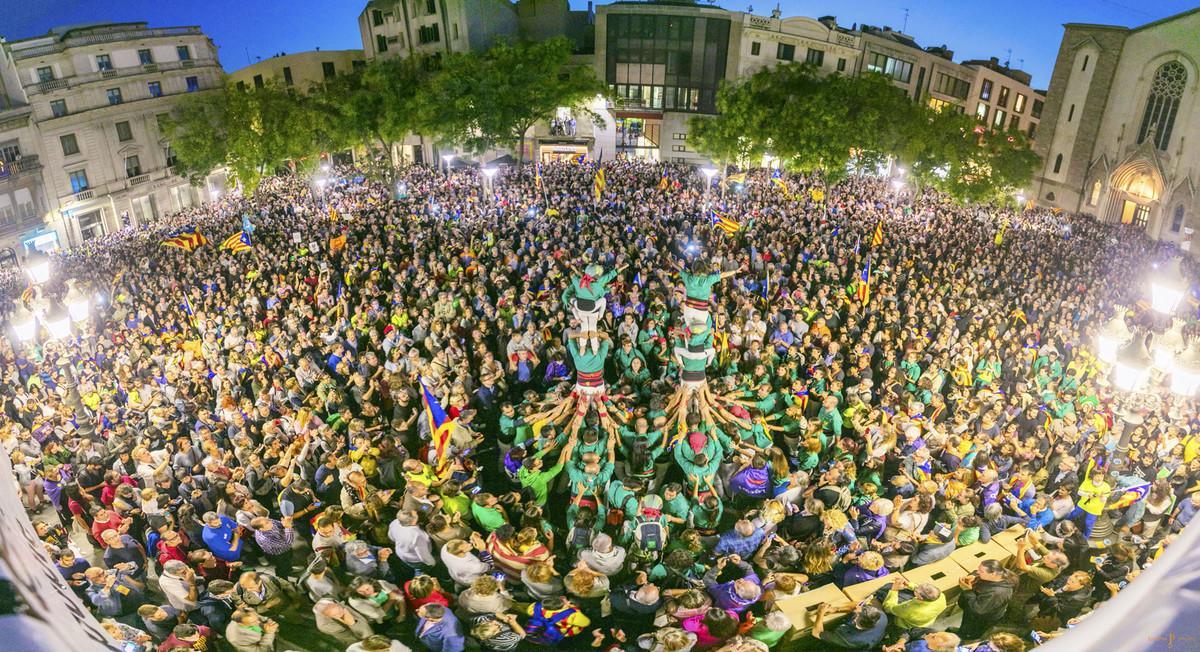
(817, 124)
(377, 105)
(250, 132)
(481, 101)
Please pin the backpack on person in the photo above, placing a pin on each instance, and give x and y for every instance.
(649, 539)
(579, 537)
(543, 630)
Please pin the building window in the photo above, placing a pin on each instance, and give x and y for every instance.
(193, 84)
(45, 74)
(133, 167)
(10, 152)
(79, 181)
(145, 57)
(678, 148)
(1094, 197)
(938, 105)
(1014, 123)
(897, 69)
(328, 70)
(679, 136)
(124, 133)
(357, 65)
(161, 120)
(184, 53)
(841, 67)
(998, 119)
(241, 86)
(1003, 99)
(155, 88)
(1163, 104)
(1019, 104)
(114, 95)
(287, 75)
(455, 27)
(1036, 111)
(70, 146)
(376, 17)
(952, 86)
(380, 43)
(1085, 63)
(815, 57)
(1032, 130)
(1177, 219)
(1057, 163)
(429, 34)
(981, 111)
(430, 7)
(258, 81)
(985, 90)
(785, 52)
(169, 156)
(1070, 112)
(103, 62)
(58, 108)
(1141, 215)
(755, 48)
(638, 46)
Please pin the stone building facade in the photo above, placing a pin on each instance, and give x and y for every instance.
(1120, 123)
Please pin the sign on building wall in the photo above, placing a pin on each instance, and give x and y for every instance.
(50, 617)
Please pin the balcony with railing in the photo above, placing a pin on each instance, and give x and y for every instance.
(75, 81)
(118, 187)
(97, 38)
(23, 165)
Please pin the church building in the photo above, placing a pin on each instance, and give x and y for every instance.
(1120, 135)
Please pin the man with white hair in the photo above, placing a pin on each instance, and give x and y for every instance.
(735, 595)
(341, 622)
(603, 556)
(634, 607)
(743, 540)
(178, 583)
(922, 610)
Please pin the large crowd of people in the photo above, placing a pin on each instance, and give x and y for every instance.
(441, 413)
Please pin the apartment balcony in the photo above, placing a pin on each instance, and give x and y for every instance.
(19, 167)
(119, 187)
(76, 81)
(103, 37)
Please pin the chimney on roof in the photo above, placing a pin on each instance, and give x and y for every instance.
(828, 21)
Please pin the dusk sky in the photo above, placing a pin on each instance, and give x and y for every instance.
(247, 29)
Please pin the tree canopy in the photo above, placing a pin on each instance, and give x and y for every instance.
(813, 123)
(476, 100)
(251, 133)
(482, 101)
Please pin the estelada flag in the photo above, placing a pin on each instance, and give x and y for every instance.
(440, 423)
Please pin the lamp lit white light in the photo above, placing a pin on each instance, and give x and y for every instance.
(1129, 377)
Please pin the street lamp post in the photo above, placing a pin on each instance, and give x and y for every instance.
(489, 174)
(709, 173)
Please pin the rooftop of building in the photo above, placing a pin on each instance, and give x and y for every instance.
(1137, 28)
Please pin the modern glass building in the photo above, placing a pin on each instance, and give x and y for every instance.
(664, 61)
